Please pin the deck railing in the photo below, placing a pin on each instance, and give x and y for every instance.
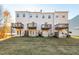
(17, 25)
(45, 26)
(32, 25)
(61, 26)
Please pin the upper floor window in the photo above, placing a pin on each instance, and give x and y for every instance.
(31, 16)
(43, 16)
(36, 16)
(23, 15)
(17, 15)
(63, 16)
(57, 16)
(49, 17)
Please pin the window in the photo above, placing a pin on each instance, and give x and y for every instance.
(49, 17)
(43, 16)
(36, 16)
(23, 15)
(63, 16)
(31, 16)
(17, 15)
(56, 16)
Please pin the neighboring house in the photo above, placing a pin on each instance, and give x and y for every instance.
(41, 23)
(74, 26)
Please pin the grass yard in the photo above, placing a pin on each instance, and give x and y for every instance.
(39, 46)
(76, 37)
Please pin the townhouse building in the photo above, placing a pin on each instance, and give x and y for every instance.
(41, 23)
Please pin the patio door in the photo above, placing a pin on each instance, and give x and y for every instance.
(26, 33)
(18, 32)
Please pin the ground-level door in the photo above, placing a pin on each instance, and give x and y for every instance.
(45, 33)
(32, 32)
(61, 33)
(19, 31)
(26, 33)
(56, 34)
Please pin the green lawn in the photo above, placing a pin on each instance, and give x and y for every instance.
(76, 37)
(39, 46)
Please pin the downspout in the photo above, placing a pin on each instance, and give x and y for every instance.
(53, 25)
